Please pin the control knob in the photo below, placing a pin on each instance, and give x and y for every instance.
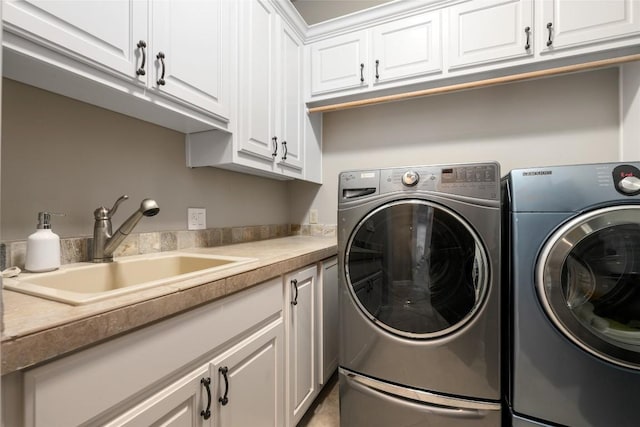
(410, 178)
(629, 184)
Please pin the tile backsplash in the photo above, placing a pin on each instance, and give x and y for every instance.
(77, 249)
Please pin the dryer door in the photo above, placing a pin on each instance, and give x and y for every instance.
(588, 280)
(416, 269)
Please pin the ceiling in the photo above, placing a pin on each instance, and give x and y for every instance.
(314, 11)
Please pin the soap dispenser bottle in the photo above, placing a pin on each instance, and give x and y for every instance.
(43, 247)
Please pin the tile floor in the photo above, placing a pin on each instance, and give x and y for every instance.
(324, 412)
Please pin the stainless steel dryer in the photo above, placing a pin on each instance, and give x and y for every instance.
(419, 259)
(574, 234)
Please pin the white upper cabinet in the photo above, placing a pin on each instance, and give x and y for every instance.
(399, 50)
(406, 48)
(338, 63)
(572, 23)
(164, 61)
(271, 111)
(105, 33)
(189, 43)
(257, 80)
(291, 156)
(485, 31)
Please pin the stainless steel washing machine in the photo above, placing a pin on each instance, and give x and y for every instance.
(419, 269)
(574, 257)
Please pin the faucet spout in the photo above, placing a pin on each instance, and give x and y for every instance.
(104, 241)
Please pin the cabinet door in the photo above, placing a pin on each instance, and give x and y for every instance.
(103, 33)
(580, 22)
(250, 377)
(183, 403)
(257, 84)
(339, 63)
(485, 31)
(303, 382)
(291, 133)
(329, 319)
(192, 36)
(406, 48)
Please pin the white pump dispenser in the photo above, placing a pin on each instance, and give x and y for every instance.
(43, 247)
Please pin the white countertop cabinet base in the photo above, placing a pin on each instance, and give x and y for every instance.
(258, 350)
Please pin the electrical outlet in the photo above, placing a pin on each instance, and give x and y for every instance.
(313, 216)
(196, 218)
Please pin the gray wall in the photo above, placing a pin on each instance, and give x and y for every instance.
(66, 156)
(560, 120)
(62, 155)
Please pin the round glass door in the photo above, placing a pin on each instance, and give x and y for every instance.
(416, 269)
(588, 279)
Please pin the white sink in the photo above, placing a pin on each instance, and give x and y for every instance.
(87, 282)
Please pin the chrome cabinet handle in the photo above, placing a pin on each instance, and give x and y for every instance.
(142, 45)
(206, 413)
(377, 74)
(275, 146)
(224, 399)
(362, 72)
(550, 28)
(294, 282)
(286, 150)
(527, 45)
(160, 57)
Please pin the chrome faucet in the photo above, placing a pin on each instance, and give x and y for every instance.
(104, 241)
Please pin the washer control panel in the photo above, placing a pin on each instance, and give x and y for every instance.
(474, 180)
(626, 179)
(410, 178)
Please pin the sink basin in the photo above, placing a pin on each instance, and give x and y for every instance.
(86, 282)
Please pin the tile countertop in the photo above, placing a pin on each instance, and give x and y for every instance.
(36, 329)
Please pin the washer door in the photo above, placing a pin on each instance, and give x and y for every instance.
(588, 279)
(416, 269)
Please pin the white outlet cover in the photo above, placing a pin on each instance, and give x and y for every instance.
(196, 218)
(313, 216)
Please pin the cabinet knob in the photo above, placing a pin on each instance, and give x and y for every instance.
(377, 73)
(550, 29)
(275, 146)
(206, 413)
(224, 399)
(362, 73)
(142, 45)
(294, 301)
(160, 57)
(527, 44)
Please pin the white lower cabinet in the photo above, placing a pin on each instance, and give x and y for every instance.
(248, 388)
(183, 403)
(249, 359)
(240, 387)
(152, 376)
(302, 358)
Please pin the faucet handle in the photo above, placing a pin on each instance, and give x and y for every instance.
(113, 210)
